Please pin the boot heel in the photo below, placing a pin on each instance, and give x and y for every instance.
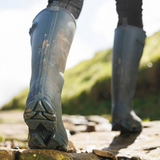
(40, 112)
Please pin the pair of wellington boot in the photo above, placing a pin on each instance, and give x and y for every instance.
(52, 33)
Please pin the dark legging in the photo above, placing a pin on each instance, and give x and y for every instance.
(131, 10)
(126, 9)
(73, 6)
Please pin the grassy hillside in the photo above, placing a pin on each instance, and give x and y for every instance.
(87, 85)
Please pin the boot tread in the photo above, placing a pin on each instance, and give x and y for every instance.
(41, 120)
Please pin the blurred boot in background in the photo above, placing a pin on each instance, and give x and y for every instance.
(127, 51)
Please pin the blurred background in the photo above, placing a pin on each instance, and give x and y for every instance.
(94, 34)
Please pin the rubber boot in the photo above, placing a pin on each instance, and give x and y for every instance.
(127, 51)
(51, 37)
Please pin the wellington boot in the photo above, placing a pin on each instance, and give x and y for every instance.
(127, 52)
(51, 37)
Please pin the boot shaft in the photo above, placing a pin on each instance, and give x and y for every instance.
(127, 51)
(51, 37)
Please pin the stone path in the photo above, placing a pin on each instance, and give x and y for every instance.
(87, 134)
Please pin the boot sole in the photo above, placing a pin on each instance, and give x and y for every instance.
(123, 129)
(41, 120)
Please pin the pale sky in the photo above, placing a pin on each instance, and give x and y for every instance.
(95, 31)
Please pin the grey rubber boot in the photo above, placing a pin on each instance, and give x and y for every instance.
(127, 51)
(51, 37)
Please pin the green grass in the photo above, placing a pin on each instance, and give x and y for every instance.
(18, 102)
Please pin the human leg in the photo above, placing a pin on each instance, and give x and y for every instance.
(73, 6)
(127, 51)
(52, 33)
(131, 10)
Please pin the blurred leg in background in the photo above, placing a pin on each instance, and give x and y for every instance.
(51, 34)
(127, 51)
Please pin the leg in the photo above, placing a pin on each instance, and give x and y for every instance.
(73, 6)
(131, 10)
(127, 50)
(51, 37)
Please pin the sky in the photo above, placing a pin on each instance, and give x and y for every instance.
(95, 32)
